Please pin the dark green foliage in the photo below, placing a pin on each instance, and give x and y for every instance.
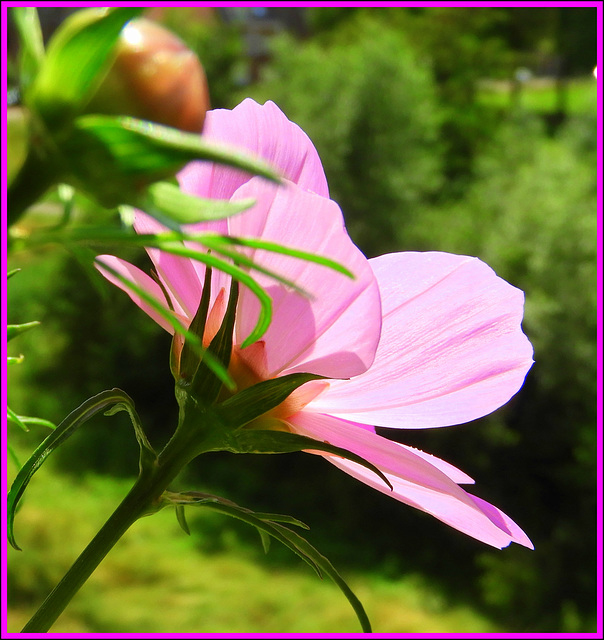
(531, 214)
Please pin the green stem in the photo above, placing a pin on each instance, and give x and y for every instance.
(142, 498)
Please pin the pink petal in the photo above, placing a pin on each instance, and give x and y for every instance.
(455, 474)
(451, 350)
(260, 130)
(415, 481)
(179, 275)
(334, 333)
(138, 277)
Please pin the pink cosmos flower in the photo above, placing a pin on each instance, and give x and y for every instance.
(416, 340)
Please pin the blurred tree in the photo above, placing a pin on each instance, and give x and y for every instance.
(531, 215)
(370, 108)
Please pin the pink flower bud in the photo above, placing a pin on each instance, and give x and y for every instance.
(156, 77)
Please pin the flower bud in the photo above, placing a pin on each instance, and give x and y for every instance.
(156, 77)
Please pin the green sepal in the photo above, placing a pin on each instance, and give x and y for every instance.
(190, 357)
(31, 44)
(177, 325)
(270, 441)
(205, 386)
(78, 56)
(270, 524)
(252, 402)
(64, 430)
(14, 330)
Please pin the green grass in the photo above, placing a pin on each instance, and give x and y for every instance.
(158, 580)
(539, 96)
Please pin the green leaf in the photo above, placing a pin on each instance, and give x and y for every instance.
(268, 441)
(78, 55)
(14, 330)
(15, 360)
(148, 457)
(172, 207)
(11, 273)
(306, 549)
(72, 422)
(238, 274)
(270, 525)
(23, 421)
(215, 242)
(31, 44)
(194, 147)
(252, 402)
(117, 158)
(13, 417)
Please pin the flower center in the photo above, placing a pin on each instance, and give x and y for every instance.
(248, 367)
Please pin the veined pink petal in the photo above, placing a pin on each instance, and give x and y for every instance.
(260, 130)
(415, 480)
(179, 275)
(451, 348)
(335, 332)
(135, 275)
(452, 472)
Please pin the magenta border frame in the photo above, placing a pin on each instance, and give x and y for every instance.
(600, 595)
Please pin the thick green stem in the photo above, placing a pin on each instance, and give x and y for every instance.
(142, 498)
(131, 508)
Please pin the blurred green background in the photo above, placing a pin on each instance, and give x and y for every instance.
(463, 130)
